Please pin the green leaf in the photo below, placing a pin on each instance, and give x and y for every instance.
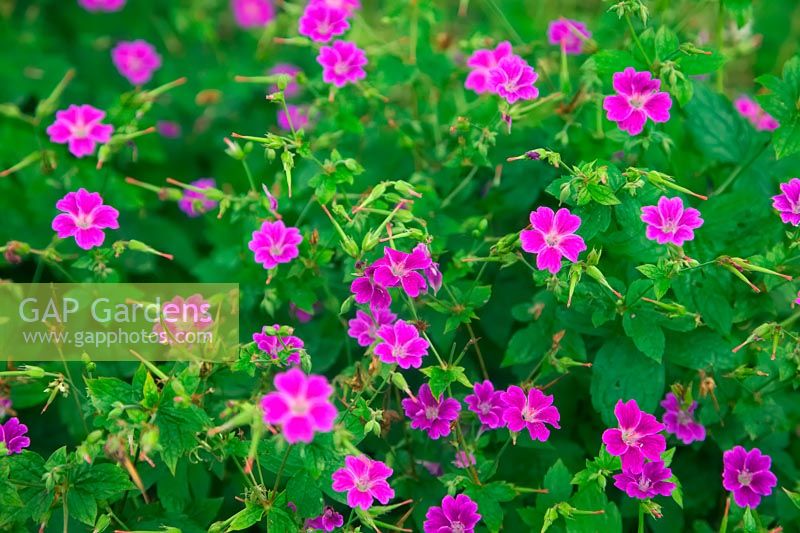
(602, 194)
(105, 481)
(557, 482)
(439, 379)
(488, 497)
(303, 492)
(794, 497)
(177, 428)
(640, 325)
(718, 131)
(526, 346)
(82, 505)
(666, 43)
(248, 517)
(782, 103)
(699, 64)
(103, 392)
(610, 61)
(749, 521)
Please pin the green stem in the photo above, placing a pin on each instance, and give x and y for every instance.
(280, 468)
(636, 40)
(641, 518)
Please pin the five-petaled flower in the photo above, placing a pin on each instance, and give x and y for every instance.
(399, 268)
(429, 414)
(401, 344)
(80, 128)
(252, 13)
(747, 474)
(366, 291)
(84, 217)
(760, 119)
(788, 202)
(532, 411)
(364, 480)
(349, 6)
(277, 346)
(638, 436)
(274, 243)
(300, 405)
(513, 79)
(195, 203)
(322, 23)
(364, 327)
(482, 62)
(107, 6)
(342, 63)
(487, 403)
(552, 237)
(136, 60)
(670, 222)
(638, 98)
(568, 34)
(12, 436)
(648, 482)
(327, 521)
(679, 420)
(457, 514)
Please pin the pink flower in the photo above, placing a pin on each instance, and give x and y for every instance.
(638, 98)
(366, 290)
(274, 243)
(181, 319)
(102, 5)
(399, 268)
(457, 514)
(679, 420)
(80, 128)
(322, 23)
(292, 88)
(568, 34)
(364, 480)
(788, 202)
(297, 119)
(12, 436)
(195, 203)
(252, 13)
(760, 119)
(349, 6)
(487, 403)
(513, 79)
(276, 346)
(464, 459)
(5, 406)
(432, 415)
(747, 475)
(364, 328)
(302, 315)
(342, 63)
(327, 521)
(482, 62)
(531, 411)
(637, 438)
(401, 344)
(432, 273)
(647, 483)
(84, 217)
(168, 129)
(670, 222)
(300, 405)
(553, 237)
(136, 60)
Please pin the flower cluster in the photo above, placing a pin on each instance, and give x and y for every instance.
(501, 72)
(277, 346)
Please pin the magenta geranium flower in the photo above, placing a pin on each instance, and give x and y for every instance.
(788, 202)
(342, 63)
(747, 474)
(487, 403)
(168, 129)
(513, 79)
(638, 98)
(279, 346)
(349, 6)
(364, 480)
(432, 273)
(292, 88)
(568, 34)
(670, 222)
(429, 414)
(401, 344)
(102, 5)
(297, 119)
(5, 406)
(195, 203)
(532, 411)
(399, 268)
(327, 521)
(80, 128)
(274, 243)
(136, 60)
(760, 119)
(482, 62)
(253, 13)
(182, 318)
(300, 405)
(12, 435)
(553, 237)
(638, 436)
(364, 327)
(457, 514)
(84, 217)
(647, 483)
(366, 291)
(679, 420)
(321, 23)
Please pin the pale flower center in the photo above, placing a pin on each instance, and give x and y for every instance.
(80, 130)
(529, 414)
(300, 406)
(644, 484)
(745, 478)
(431, 412)
(83, 220)
(457, 527)
(684, 418)
(630, 438)
(552, 239)
(363, 483)
(276, 249)
(637, 101)
(485, 408)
